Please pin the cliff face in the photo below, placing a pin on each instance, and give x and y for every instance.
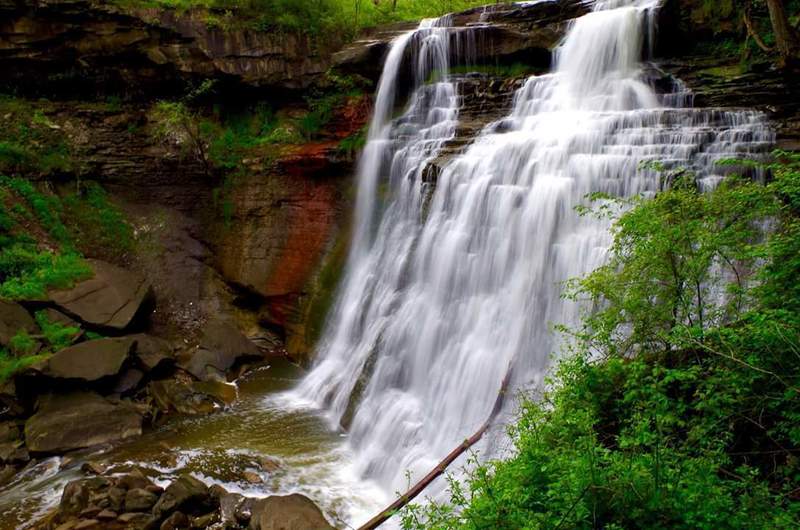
(79, 46)
(707, 47)
(272, 258)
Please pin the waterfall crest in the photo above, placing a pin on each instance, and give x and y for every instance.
(443, 291)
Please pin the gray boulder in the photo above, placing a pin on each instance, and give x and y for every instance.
(110, 299)
(90, 360)
(186, 494)
(152, 352)
(139, 500)
(222, 344)
(171, 395)
(78, 420)
(13, 319)
(290, 512)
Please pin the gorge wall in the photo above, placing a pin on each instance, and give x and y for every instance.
(288, 211)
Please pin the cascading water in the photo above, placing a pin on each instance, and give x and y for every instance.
(441, 295)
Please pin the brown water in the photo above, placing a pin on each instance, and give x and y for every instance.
(264, 423)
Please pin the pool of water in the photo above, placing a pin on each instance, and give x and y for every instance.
(263, 430)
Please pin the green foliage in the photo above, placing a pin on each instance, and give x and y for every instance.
(27, 273)
(44, 235)
(324, 18)
(22, 343)
(97, 226)
(354, 143)
(57, 335)
(30, 142)
(677, 408)
(11, 364)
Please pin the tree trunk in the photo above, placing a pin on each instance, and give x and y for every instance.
(785, 37)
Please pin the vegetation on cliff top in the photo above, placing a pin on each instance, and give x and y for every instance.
(754, 31)
(677, 408)
(315, 17)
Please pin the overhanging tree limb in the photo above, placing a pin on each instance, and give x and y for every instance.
(439, 470)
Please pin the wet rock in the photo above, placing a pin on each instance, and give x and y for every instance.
(175, 521)
(10, 404)
(88, 524)
(75, 498)
(153, 353)
(172, 395)
(9, 431)
(229, 505)
(222, 344)
(78, 420)
(110, 299)
(90, 512)
(136, 478)
(290, 512)
(204, 521)
(14, 453)
(93, 468)
(136, 520)
(116, 499)
(252, 477)
(220, 390)
(128, 381)
(107, 515)
(268, 464)
(7, 472)
(185, 493)
(90, 360)
(13, 318)
(139, 500)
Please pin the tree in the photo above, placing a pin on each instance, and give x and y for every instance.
(785, 36)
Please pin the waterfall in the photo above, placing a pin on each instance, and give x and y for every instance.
(445, 287)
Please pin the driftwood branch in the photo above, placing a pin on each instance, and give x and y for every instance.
(439, 470)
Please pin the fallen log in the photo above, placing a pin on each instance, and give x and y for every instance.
(439, 470)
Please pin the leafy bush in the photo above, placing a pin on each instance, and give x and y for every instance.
(677, 408)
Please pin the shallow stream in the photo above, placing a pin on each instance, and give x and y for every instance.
(278, 444)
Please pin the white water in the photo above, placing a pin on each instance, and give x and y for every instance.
(440, 297)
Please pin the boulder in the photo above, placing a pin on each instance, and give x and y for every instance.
(171, 395)
(152, 352)
(78, 420)
(110, 299)
(221, 345)
(13, 453)
(289, 512)
(175, 521)
(186, 494)
(13, 319)
(139, 500)
(90, 360)
(76, 495)
(128, 381)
